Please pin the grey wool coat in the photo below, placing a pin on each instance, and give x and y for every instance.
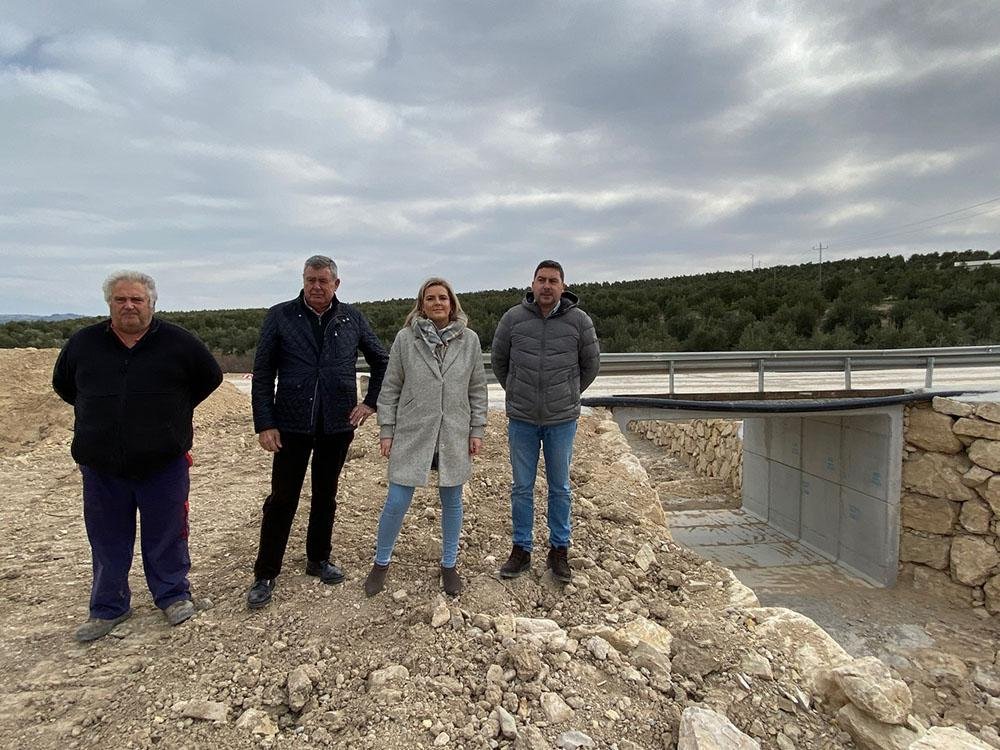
(425, 406)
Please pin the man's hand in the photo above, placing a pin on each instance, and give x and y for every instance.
(270, 440)
(359, 414)
(385, 447)
(475, 445)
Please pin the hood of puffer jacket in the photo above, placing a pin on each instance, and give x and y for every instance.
(567, 302)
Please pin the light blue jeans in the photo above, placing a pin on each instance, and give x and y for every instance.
(556, 442)
(397, 502)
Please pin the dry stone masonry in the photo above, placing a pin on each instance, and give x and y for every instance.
(950, 504)
(710, 447)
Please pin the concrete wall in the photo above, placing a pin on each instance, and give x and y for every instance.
(832, 482)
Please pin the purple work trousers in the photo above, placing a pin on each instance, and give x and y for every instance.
(109, 508)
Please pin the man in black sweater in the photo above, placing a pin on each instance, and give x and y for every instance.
(134, 381)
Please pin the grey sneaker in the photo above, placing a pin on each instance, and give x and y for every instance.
(95, 627)
(179, 611)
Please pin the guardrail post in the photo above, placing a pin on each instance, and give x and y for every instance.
(847, 373)
(671, 377)
(760, 376)
(929, 373)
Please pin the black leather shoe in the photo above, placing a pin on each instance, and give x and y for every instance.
(327, 571)
(260, 593)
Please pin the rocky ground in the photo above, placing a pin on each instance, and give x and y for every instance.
(651, 645)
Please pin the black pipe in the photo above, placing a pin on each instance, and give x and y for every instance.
(761, 406)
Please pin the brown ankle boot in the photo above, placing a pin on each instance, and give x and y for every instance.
(375, 581)
(451, 581)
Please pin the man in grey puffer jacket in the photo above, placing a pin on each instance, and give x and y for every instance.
(545, 354)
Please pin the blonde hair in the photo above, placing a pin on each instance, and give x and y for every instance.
(456, 312)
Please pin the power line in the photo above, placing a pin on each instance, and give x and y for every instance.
(871, 236)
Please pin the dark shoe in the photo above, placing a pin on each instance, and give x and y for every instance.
(327, 572)
(451, 581)
(519, 562)
(179, 611)
(375, 581)
(559, 564)
(260, 593)
(95, 627)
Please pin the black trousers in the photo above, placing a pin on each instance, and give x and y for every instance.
(288, 471)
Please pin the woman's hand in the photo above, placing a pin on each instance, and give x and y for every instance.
(475, 445)
(385, 446)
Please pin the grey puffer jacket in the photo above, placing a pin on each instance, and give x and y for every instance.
(544, 364)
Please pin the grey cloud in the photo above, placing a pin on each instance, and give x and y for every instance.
(219, 145)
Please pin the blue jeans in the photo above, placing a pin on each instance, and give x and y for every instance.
(397, 502)
(556, 442)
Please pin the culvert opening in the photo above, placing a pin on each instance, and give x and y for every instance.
(818, 468)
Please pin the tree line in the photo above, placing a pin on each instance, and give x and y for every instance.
(884, 302)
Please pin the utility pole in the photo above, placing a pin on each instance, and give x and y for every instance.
(751, 261)
(821, 249)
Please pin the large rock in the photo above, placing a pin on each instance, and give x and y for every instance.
(986, 453)
(255, 721)
(204, 710)
(704, 729)
(988, 410)
(379, 678)
(948, 738)
(976, 476)
(657, 662)
(990, 492)
(739, 594)
(641, 630)
(924, 513)
(951, 406)
(932, 550)
(871, 734)
(977, 428)
(938, 475)
(973, 559)
(992, 591)
(932, 431)
(299, 688)
(976, 516)
(556, 710)
(810, 648)
(869, 685)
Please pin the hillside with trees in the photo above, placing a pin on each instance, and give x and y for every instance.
(884, 302)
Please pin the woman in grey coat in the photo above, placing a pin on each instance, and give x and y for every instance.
(431, 414)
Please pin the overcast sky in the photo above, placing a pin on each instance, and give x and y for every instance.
(216, 145)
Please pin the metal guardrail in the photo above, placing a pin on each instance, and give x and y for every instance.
(834, 360)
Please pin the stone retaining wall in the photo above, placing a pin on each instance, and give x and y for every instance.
(950, 502)
(710, 447)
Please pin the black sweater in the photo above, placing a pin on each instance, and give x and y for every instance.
(133, 407)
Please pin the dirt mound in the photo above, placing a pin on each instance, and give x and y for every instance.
(30, 412)
(646, 630)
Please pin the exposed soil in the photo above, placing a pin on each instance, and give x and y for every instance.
(305, 672)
